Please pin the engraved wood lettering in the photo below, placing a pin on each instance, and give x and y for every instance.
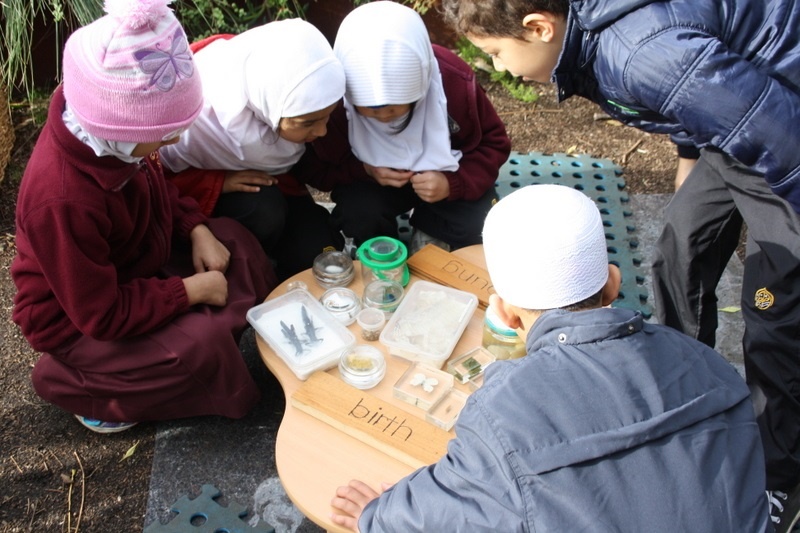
(375, 417)
(458, 269)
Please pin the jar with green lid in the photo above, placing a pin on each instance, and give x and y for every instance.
(502, 341)
(383, 258)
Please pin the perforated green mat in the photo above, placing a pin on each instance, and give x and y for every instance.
(601, 180)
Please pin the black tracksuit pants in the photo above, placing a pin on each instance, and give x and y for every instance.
(702, 228)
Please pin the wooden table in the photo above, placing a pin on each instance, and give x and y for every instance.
(314, 458)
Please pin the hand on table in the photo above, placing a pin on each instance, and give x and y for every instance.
(351, 500)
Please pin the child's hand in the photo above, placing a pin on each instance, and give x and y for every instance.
(389, 177)
(207, 252)
(207, 288)
(247, 181)
(431, 186)
(350, 502)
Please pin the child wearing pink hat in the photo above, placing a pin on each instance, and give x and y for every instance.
(135, 299)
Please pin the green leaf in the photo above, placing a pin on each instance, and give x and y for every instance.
(130, 451)
(731, 309)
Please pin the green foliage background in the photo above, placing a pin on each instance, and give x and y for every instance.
(479, 60)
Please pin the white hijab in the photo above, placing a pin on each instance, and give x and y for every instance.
(101, 148)
(388, 60)
(251, 81)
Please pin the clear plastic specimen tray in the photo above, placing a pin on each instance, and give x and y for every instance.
(301, 332)
(428, 323)
(423, 386)
(445, 412)
(471, 364)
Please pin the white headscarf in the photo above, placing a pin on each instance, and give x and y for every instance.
(101, 148)
(251, 81)
(388, 60)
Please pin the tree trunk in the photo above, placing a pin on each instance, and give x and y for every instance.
(6, 131)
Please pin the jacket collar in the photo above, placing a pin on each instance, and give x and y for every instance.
(582, 327)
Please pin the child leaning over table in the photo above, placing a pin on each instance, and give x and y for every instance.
(608, 424)
(136, 300)
(267, 92)
(415, 131)
(721, 75)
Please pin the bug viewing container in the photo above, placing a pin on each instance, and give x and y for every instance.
(383, 258)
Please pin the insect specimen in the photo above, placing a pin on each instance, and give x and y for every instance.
(291, 336)
(308, 324)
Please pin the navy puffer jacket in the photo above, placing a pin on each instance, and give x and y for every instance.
(723, 73)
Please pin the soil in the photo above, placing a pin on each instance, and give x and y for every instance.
(60, 477)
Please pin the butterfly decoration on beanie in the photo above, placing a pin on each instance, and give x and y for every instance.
(166, 67)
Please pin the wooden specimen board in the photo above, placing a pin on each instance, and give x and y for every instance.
(380, 424)
(435, 264)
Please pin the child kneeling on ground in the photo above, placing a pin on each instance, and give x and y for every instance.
(608, 424)
(135, 298)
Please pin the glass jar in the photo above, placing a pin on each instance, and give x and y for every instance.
(362, 366)
(384, 295)
(383, 258)
(502, 341)
(342, 303)
(333, 269)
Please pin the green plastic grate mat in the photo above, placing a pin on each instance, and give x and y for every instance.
(204, 514)
(601, 180)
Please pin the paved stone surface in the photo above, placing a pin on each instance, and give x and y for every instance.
(238, 457)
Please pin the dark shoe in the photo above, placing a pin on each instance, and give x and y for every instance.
(784, 510)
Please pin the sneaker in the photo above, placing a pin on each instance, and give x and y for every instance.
(784, 510)
(98, 426)
(777, 502)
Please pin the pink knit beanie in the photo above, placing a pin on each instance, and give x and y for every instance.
(129, 76)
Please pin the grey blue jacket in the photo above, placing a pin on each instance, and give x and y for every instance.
(608, 424)
(722, 73)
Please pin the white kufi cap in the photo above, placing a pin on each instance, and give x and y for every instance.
(545, 247)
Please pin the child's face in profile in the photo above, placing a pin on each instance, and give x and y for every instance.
(306, 128)
(384, 113)
(520, 58)
(533, 58)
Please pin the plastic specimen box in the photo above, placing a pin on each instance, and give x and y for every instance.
(301, 332)
(429, 322)
(471, 364)
(445, 412)
(423, 386)
(476, 383)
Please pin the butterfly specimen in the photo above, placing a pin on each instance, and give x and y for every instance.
(427, 383)
(167, 67)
